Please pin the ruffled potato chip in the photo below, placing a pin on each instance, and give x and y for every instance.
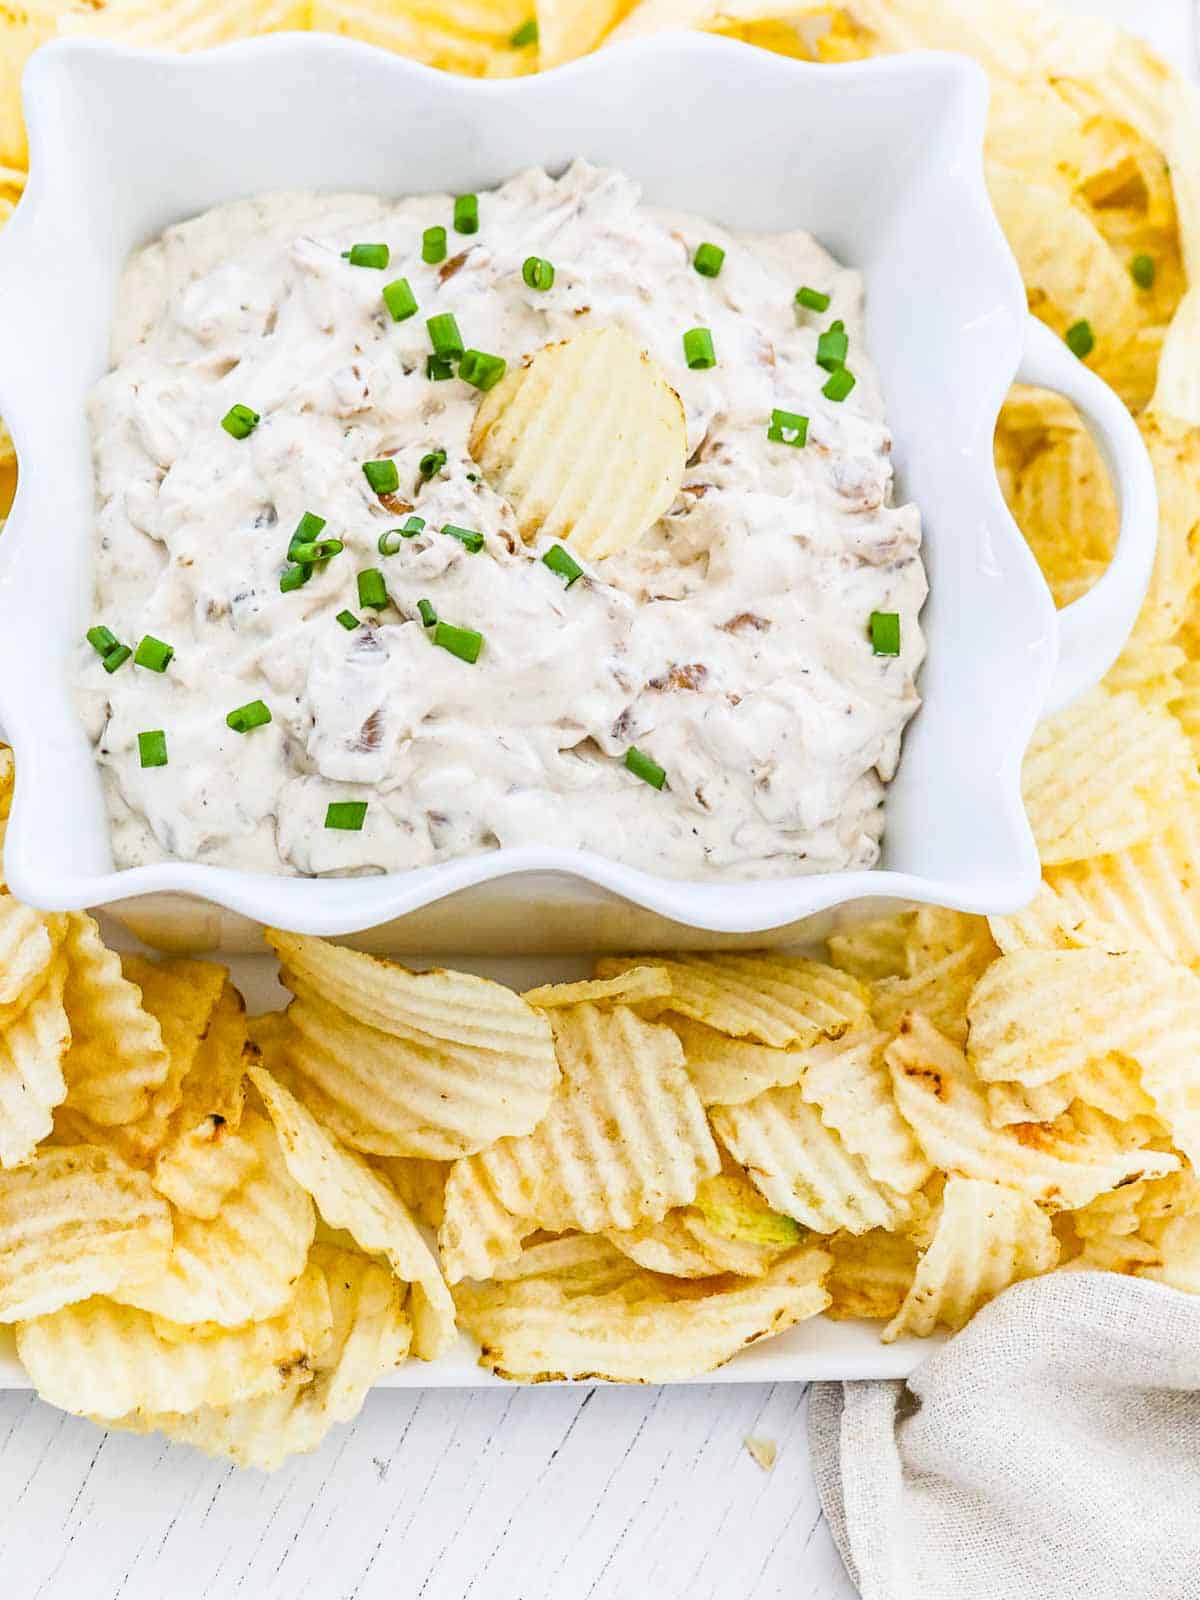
(872, 950)
(872, 1273)
(728, 1072)
(117, 1058)
(178, 24)
(849, 1083)
(474, 37)
(629, 988)
(32, 1084)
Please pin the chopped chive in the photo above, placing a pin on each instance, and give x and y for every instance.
(388, 543)
(433, 245)
(526, 34)
(832, 347)
(153, 654)
(430, 465)
(399, 299)
(383, 476)
(464, 643)
(812, 299)
(372, 590)
(102, 640)
(308, 555)
(708, 260)
(412, 528)
(642, 767)
(1141, 270)
(428, 615)
(481, 370)
(838, 384)
(368, 255)
(348, 815)
(438, 368)
(788, 427)
(152, 748)
(240, 421)
(444, 335)
(885, 633)
(561, 560)
(116, 658)
(1080, 339)
(349, 621)
(468, 536)
(698, 349)
(254, 714)
(466, 214)
(537, 272)
(294, 578)
(308, 532)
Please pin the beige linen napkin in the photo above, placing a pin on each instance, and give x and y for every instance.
(1050, 1451)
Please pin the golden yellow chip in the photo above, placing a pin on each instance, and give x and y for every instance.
(667, 1246)
(117, 1057)
(474, 37)
(985, 1237)
(1186, 705)
(1110, 1083)
(940, 989)
(370, 1338)
(478, 1232)
(1175, 453)
(650, 1329)
(1101, 775)
(242, 1264)
(180, 24)
(1148, 669)
(350, 1195)
(29, 942)
(849, 1083)
(568, 29)
(1177, 392)
(1063, 501)
(75, 1222)
(872, 1273)
(777, 999)
(31, 1076)
(727, 1228)
(872, 949)
(101, 1359)
(1051, 922)
(202, 1165)
(587, 442)
(728, 1072)
(421, 1184)
(629, 988)
(1054, 1163)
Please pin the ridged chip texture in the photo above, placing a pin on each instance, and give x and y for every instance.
(848, 1081)
(646, 1329)
(873, 950)
(587, 442)
(349, 1195)
(242, 1264)
(117, 1057)
(28, 944)
(776, 999)
(75, 1222)
(872, 1273)
(628, 988)
(940, 987)
(370, 1338)
(101, 1359)
(1056, 1163)
(31, 1075)
(478, 1232)
(728, 1072)
(727, 1228)
(1111, 1083)
(1051, 921)
(985, 1237)
(802, 1168)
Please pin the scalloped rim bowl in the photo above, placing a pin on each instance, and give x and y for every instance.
(881, 160)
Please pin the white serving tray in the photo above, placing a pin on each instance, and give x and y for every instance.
(816, 1349)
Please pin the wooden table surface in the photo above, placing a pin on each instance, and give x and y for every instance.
(533, 1494)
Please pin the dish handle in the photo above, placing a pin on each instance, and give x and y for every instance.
(1093, 629)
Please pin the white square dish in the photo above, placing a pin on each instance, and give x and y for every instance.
(882, 161)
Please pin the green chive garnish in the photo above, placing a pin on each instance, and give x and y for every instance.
(294, 578)
(708, 260)
(642, 767)
(467, 536)
(348, 815)
(466, 214)
(308, 532)
(102, 640)
(812, 299)
(1141, 270)
(368, 255)
(153, 654)
(389, 542)
(428, 615)
(433, 245)
(561, 560)
(838, 384)
(1080, 339)
(152, 748)
(832, 347)
(254, 714)
(240, 421)
(481, 370)
(308, 555)
(430, 465)
(526, 34)
(372, 590)
(698, 349)
(383, 476)
(349, 621)
(412, 528)
(116, 658)
(788, 427)
(444, 335)
(464, 643)
(885, 633)
(399, 299)
(438, 368)
(538, 273)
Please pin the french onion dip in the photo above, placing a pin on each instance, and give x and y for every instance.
(725, 700)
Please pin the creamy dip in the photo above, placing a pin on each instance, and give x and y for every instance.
(732, 647)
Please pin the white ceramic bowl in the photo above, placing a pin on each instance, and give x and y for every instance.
(881, 160)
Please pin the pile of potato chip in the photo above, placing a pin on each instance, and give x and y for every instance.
(228, 1229)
